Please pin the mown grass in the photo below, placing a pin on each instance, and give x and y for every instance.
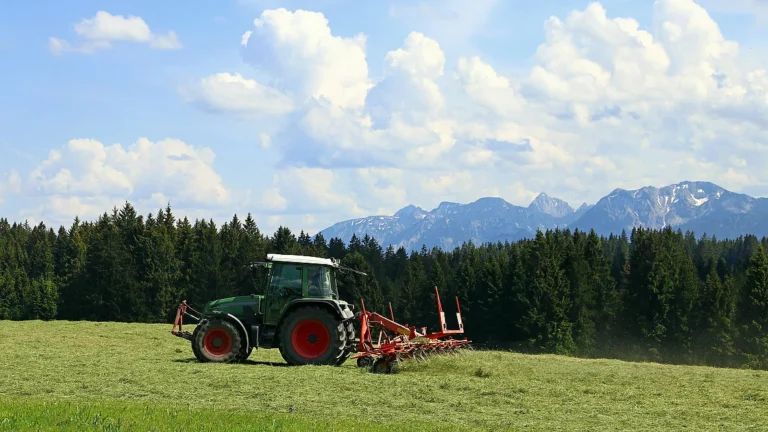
(81, 376)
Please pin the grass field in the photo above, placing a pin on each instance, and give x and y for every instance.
(79, 376)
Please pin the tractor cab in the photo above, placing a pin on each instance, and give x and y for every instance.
(297, 277)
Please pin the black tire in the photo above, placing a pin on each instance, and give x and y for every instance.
(365, 362)
(193, 342)
(245, 354)
(350, 343)
(384, 365)
(220, 331)
(380, 366)
(325, 341)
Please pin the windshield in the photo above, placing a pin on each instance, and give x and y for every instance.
(321, 282)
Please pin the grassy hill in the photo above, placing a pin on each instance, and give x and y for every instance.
(81, 376)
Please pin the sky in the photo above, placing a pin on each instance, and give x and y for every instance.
(307, 113)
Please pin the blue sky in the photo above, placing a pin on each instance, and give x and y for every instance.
(467, 76)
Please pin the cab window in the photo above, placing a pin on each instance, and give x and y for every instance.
(286, 280)
(318, 281)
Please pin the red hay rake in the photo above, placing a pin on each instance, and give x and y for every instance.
(407, 343)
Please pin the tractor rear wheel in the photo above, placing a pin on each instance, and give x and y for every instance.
(350, 343)
(312, 335)
(218, 341)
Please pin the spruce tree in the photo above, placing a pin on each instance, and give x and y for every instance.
(753, 311)
(715, 328)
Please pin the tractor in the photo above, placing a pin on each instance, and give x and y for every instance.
(300, 313)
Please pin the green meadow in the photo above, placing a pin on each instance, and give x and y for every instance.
(87, 376)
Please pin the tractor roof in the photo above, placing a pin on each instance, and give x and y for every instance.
(303, 259)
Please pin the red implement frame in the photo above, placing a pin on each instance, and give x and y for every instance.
(407, 342)
(179, 321)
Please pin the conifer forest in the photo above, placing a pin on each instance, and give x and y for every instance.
(645, 295)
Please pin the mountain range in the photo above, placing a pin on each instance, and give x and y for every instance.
(698, 206)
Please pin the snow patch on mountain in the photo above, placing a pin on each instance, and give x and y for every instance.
(700, 206)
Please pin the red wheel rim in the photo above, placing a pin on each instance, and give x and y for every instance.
(217, 342)
(310, 338)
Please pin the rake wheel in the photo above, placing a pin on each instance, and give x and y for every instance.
(386, 365)
(364, 362)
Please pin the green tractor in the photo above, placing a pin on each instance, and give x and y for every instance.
(300, 313)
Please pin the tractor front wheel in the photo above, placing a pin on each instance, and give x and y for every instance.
(195, 347)
(218, 341)
(311, 335)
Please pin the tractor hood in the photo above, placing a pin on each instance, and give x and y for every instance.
(235, 305)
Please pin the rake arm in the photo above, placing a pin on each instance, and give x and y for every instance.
(443, 326)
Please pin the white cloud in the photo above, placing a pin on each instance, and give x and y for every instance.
(384, 185)
(225, 92)
(311, 190)
(607, 103)
(299, 48)
(481, 83)
(104, 28)
(409, 88)
(58, 46)
(403, 123)
(245, 37)
(272, 200)
(10, 185)
(86, 178)
(265, 141)
(442, 183)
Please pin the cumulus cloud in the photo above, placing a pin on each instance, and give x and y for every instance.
(265, 141)
(272, 200)
(299, 48)
(86, 178)
(402, 123)
(311, 191)
(607, 103)
(10, 185)
(98, 33)
(232, 93)
(409, 88)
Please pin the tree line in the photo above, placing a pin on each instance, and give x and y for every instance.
(650, 295)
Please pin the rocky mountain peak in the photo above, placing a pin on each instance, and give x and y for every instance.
(555, 207)
(701, 207)
(410, 211)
